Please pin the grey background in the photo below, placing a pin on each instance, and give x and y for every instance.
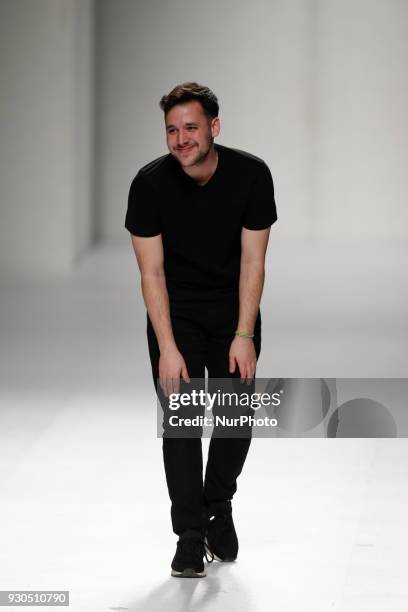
(316, 88)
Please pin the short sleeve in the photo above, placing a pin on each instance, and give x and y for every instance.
(260, 211)
(142, 216)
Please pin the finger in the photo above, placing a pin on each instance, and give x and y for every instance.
(247, 373)
(174, 385)
(162, 383)
(168, 386)
(184, 374)
(232, 364)
(250, 374)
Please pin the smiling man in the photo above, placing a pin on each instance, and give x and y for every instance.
(199, 219)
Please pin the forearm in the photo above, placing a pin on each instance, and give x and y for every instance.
(251, 283)
(156, 300)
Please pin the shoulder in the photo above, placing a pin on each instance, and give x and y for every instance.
(153, 171)
(242, 161)
(155, 167)
(241, 157)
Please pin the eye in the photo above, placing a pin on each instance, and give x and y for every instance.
(191, 128)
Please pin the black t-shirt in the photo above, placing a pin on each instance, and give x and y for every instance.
(201, 225)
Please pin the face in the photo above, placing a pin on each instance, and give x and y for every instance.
(189, 133)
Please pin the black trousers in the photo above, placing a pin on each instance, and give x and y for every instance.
(203, 333)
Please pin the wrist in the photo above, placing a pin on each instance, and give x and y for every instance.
(240, 333)
(167, 346)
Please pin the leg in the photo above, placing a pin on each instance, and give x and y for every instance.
(226, 456)
(182, 457)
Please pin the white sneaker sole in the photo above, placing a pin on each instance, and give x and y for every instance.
(189, 572)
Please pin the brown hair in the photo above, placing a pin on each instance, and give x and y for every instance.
(185, 92)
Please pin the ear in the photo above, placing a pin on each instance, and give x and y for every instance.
(215, 127)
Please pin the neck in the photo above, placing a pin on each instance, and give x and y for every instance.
(203, 171)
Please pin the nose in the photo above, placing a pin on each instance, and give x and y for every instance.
(182, 138)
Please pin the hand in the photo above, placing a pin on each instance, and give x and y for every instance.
(242, 352)
(171, 365)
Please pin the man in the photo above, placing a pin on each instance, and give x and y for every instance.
(200, 218)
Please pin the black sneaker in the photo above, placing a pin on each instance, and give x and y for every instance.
(188, 560)
(221, 536)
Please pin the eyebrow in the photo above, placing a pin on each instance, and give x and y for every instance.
(188, 124)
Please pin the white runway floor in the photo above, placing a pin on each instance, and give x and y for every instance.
(84, 505)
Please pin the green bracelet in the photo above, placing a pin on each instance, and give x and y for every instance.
(243, 334)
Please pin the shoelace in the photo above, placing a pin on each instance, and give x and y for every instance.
(208, 550)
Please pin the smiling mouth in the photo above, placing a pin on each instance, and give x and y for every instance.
(185, 149)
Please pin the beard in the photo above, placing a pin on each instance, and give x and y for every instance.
(199, 157)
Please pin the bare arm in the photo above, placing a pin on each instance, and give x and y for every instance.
(252, 274)
(149, 255)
